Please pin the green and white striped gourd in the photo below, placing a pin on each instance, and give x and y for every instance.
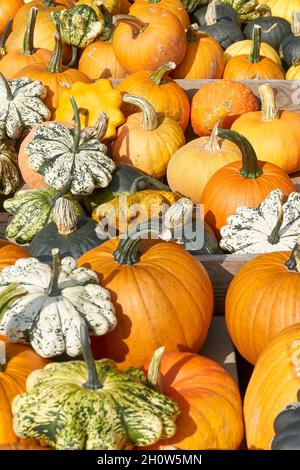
(21, 106)
(32, 210)
(111, 410)
(273, 226)
(9, 174)
(56, 302)
(246, 9)
(71, 159)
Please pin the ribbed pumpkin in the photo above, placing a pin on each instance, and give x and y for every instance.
(223, 101)
(165, 95)
(174, 6)
(9, 253)
(147, 140)
(152, 39)
(14, 61)
(8, 9)
(282, 8)
(54, 75)
(289, 49)
(204, 57)
(273, 386)
(262, 300)
(20, 362)
(157, 288)
(274, 134)
(209, 402)
(191, 167)
(253, 66)
(245, 183)
(244, 48)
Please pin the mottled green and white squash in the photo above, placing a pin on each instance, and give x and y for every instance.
(9, 174)
(21, 106)
(78, 26)
(32, 210)
(273, 226)
(57, 302)
(71, 159)
(111, 410)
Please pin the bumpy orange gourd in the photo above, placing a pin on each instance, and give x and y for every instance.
(8, 9)
(163, 93)
(223, 101)
(9, 253)
(245, 183)
(274, 134)
(161, 293)
(147, 140)
(273, 386)
(191, 167)
(174, 6)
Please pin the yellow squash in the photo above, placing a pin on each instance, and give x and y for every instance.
(244, 48)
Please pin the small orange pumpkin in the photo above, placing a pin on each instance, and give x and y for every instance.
(10, 252)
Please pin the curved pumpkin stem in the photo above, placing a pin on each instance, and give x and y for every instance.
(217, 115)
(154, 375)
(213, 144)
(73, 57)
(93, 382)
(293, 263)
(154, 183)
(160, 75)
(274, 237)
(64, 216)
(55, 64)
(254, 56)
(28, 47)
(211, 13)
(193, 32)
(4, 37)
(9, 295)
(137, 25)
(53, 290)
(296, 23)
(269, 108)
(150, 118)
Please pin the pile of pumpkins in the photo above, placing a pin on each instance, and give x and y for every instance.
(91, 317)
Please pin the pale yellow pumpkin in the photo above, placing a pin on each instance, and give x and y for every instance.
(244, 48)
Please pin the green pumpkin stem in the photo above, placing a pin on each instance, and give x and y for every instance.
(137, 25)
(28, 47)
(211, 13)
(55, 64)
(108, 27)
(296, 23)
(154, 183)
(154, 374)
(293, 263)
(4, 37)
(269, 108)
(274, 237)
(93, 380)
(77, 122)
(254, 56)
(192, 34)
(9, 95)
(53, 290)
(150, 117)
(250, 166)
(161, 74)
(9, 295)
(48, 3)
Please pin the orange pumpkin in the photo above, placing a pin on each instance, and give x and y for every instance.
(20, 362)
(191, 167)
(223, 101)
(8, 9)
(24, 446)
(9, 253)
(275, 135)
(16, 60)
(165, 95)
(253, 320)
(253, 66)
(54, 76)
(160, 292)
(209, 400)
(245, 183)
(174, 6)
(204, 57)
(273, 386)
(42, 5)
(147, 140)
(3, 38)
(152, 39)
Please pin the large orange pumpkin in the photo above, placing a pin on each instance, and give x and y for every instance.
(161, 293)
(262, 300)
(245, 183)
(174, 6)
(152, 39)
(8, 9)
(209, 400)
(191, 167)
(20, 362)
(10, 252)
(165, 95)
(273, 386)
(274, 134)
(204, 57)
(223, 101)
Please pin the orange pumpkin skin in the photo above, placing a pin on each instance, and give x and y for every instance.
(239, 68)
(13, 62)
(162, 40)
(8, 9)
(209, 400)
(167, 295)
(165, 95)
(23, 446)
(21, 361)
(273, 386)
(98, 60)
(174, 6)
(9, 253)
(208, 105)
(255, 316)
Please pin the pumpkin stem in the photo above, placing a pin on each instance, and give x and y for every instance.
(211, 13)
(293, 263)
(154, 375)
(213, 143)
(263, 10)
(150, 117)
(28, 47)
(64, 216)
(53, 290)
(108, 27)
(179, 213)
(9, 295)
(161, 74)
(73, 58)
(9, 95)
(153, 182)
(48, 3)
(76, 119)
(136, 24)
(55, 64)
(218, 114)
(2, 356)
(192, 34)
(93, 382)
(274, 237)
(269, 108)
(4, 37)
(250, 168)
(254, 56)
(296, 23)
